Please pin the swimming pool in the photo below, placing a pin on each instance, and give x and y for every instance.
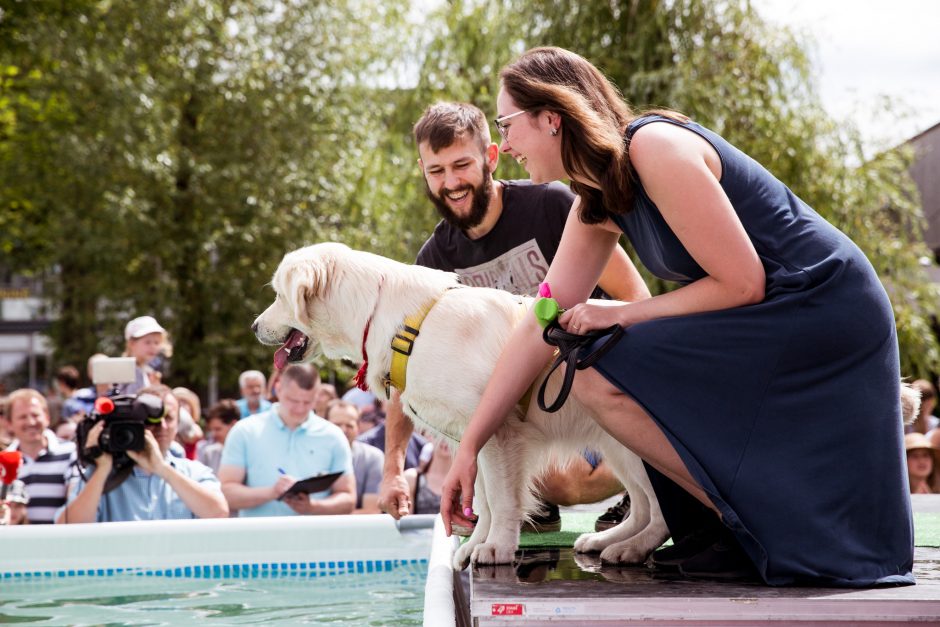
(349, 570)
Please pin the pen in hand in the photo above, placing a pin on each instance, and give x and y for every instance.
(283, 494)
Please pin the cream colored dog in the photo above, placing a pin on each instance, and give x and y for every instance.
(328, 294)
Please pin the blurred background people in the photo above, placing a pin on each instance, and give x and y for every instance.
(425, 480)
(144, 338)
(367, 460)
(220, 419)
(265, 454)
(923, 464)
(47, 460)
(925, 421)
(252, 386)
(326, 392)
(160, 485)
(76, 400)
(190, 431)
(13, 509)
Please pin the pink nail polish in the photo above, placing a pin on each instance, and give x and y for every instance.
(467, 511)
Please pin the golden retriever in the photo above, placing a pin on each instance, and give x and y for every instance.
(326, 296)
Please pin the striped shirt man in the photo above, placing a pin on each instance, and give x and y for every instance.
(45, 477)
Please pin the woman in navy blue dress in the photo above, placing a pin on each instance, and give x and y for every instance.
(738, 387)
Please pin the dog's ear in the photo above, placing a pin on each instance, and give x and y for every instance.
(306, 281)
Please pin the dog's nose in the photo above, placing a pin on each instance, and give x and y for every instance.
(254, 327)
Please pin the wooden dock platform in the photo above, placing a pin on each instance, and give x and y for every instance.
(559, 587)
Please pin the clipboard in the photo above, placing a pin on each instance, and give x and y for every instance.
(310, 485)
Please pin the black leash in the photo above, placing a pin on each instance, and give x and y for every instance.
(569, 348)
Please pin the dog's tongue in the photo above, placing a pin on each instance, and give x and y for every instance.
(296, 338)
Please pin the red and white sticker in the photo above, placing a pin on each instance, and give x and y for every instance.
(507, 609)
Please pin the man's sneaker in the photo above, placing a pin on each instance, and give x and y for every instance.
(614, 515)
(547, 521)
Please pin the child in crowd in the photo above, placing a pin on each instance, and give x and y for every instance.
(145, 339)
(13, 507)
(923, 464)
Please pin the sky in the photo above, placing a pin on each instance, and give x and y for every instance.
(865, 49)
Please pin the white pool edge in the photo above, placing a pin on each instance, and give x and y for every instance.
(439, 607)
(327, 544)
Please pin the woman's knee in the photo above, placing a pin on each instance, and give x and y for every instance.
(594, 391)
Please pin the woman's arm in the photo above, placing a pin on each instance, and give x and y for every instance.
(680, 172)
(621, 280)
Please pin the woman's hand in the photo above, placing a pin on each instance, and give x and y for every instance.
(457, 491)
(585, 317)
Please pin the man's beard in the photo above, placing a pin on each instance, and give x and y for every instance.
(480, 202)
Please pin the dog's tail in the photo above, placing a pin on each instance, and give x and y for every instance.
(910, 403)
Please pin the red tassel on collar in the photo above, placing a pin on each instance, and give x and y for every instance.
(360, 378)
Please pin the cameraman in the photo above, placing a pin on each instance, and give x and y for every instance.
(160, 485)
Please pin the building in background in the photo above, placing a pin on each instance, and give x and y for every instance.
(926, 173)
(25, 351)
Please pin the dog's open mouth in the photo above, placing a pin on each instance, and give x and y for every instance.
(293, 349)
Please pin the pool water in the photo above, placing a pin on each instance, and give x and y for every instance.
(391, 597)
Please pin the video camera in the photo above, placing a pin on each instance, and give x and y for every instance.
(125, 416)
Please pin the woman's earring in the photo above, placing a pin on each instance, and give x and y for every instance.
(554, 132)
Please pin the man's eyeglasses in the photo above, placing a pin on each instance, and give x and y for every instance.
(501, 125)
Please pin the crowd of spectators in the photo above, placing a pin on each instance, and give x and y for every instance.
(239, 457)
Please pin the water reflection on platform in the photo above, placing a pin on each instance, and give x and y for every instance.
(564, 587)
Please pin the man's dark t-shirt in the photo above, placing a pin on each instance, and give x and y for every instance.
(515, 254)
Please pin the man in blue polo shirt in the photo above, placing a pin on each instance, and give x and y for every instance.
(265, 454)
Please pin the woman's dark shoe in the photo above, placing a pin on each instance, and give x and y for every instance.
(684, 548)
(724, 560)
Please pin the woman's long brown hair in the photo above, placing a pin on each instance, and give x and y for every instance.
(594, 121)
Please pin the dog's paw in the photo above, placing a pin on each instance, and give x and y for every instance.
(462, 556)
(491, 553)
(624, 553)
(591, 542)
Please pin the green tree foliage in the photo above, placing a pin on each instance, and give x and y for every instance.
(164, 156)
(160, 157)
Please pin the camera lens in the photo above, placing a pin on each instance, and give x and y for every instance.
(122, 439)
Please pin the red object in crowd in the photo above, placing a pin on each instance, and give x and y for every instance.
(9, 466)
(104, 405)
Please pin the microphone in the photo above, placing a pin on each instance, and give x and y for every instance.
(9, 466)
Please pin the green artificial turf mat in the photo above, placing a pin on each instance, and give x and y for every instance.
(573, 524)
